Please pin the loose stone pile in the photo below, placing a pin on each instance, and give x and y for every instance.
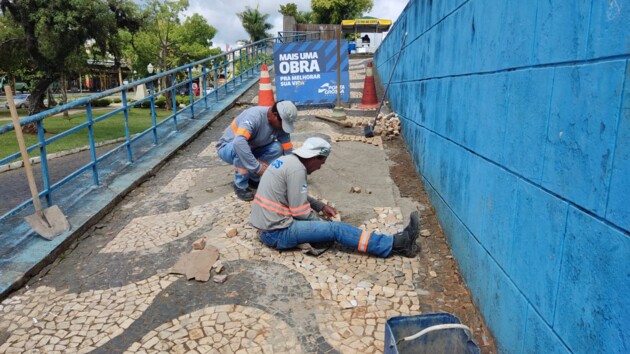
(376, 141)
(387, 126)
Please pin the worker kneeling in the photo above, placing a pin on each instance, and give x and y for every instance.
(256, 137)
(284, 212)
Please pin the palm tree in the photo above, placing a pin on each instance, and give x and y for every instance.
(255, 23)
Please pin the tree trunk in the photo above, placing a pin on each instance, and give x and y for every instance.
(166, 82)
(64, 94)
(36, 101)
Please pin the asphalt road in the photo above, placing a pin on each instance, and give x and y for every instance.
(14, 186)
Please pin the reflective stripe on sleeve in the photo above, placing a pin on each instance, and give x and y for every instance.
(240, 131)
(301, 210)
(287, 146)
(363, 241)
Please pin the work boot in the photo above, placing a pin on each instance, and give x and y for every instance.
(405, 241)
(244, 194)
(413, 228)
(253, 184)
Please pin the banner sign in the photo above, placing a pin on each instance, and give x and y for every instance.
(306, 72)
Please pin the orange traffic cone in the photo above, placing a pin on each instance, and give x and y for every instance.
(369, 100)
(265, 93)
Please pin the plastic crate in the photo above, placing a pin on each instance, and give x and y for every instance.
(435, 341)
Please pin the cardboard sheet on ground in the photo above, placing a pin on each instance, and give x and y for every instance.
(197, 263)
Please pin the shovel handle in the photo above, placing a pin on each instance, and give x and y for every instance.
(20, 138)
(391, 74)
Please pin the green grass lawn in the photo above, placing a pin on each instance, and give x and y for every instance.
(109, 129)
(5, 113)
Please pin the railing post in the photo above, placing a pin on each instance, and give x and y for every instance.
(153, 114)
(233, 64)
(215, 79)
(191, 93)
(43, 160)
(88, 108)
(174, 99)
(242, 68)
(205, 84)
(127, 133)
(225, 65)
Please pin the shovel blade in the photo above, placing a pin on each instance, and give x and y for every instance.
(368, 131)
(50, 223)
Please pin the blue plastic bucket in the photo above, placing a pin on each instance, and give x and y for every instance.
(352, 47)
(439, 333)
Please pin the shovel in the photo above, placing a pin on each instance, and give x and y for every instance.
(368, 131)
(49, 222)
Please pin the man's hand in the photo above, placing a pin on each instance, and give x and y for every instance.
(263, 168)
(329, 211)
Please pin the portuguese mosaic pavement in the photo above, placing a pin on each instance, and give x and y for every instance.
(112, 291)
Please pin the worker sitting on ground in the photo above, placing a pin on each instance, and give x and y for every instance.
(256, 137)
(283, 210)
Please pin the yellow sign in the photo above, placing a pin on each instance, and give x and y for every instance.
(365, 25)
(367, 22)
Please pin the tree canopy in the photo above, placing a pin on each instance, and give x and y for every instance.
(255, 23)
(45, 41)
(334, 11)
(54, 32)
(14, 57)
(290, 9)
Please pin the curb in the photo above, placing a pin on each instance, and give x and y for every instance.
(37, 159)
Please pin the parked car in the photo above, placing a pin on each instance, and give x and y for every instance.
(21, 86)
(21, 101)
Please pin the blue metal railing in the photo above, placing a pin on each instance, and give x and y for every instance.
(296, 36)
(236, 66)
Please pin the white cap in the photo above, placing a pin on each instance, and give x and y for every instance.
(313, 147)
(288, 114)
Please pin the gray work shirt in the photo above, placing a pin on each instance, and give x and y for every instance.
(251, 130)
(283, 196)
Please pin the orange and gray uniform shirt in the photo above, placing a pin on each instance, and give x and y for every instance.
(282, 196)
(251, 130)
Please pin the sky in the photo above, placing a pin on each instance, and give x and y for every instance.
(221, 14)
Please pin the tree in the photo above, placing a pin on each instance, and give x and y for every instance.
(166, 42)
(255, 23)
(14, 56)
(290, 9)
(305, 17)
(334, 11)
(56, 30)
(194, 38)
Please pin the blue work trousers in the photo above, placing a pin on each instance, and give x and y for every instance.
(267, 154)
(302, 231)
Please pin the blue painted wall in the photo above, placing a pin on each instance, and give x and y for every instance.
(517, 115)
